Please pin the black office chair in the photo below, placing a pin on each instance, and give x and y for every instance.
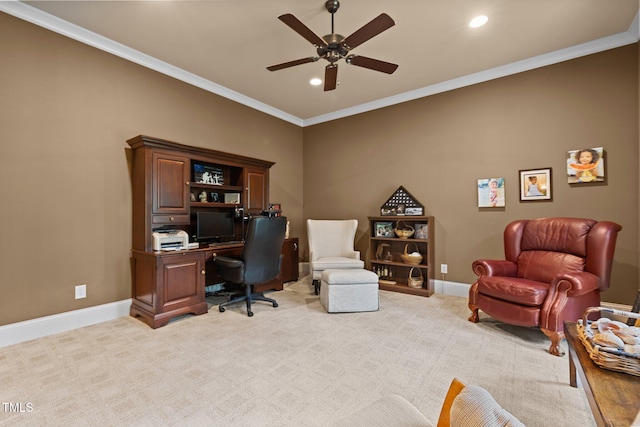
(260, 260)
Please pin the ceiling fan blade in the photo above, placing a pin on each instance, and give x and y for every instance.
(292, 63)
(296, 25)
(372, 64)
(373, 28)
(330, 77)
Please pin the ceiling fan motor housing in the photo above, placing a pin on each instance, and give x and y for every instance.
(332, 6)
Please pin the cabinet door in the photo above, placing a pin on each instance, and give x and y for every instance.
(289, 269)
(182, 280)
(256, 190)
(170, 195)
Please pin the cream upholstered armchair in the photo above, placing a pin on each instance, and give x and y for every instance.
(331, 246)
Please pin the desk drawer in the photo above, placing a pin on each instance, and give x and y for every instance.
(170, 219)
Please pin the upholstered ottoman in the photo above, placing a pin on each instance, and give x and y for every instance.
(349, 290)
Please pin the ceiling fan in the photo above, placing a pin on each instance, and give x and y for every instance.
(334, 47)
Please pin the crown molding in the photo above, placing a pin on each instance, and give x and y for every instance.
(618, 40)
(60, 26)
(75, 32)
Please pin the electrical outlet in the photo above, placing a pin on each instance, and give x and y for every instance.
(81, 291)
(443, 268)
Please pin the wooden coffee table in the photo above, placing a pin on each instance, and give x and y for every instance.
(614, 397)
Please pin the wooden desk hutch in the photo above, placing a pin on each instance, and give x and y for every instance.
(167, 284)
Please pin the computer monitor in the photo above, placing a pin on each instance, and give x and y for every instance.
(214, 226)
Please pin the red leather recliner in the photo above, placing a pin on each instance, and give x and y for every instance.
(555, 268)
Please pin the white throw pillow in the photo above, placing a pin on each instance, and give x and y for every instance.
(475, 407)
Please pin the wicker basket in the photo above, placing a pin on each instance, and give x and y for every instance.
(411, 258)
(403, 230)
(609, 358)
(415, 281)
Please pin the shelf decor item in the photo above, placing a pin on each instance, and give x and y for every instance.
(415, 281)
(403, 230)
(384, 229)
(422, 231)
(204, 174)
(401, 203)
(413, 258)
(233, 198)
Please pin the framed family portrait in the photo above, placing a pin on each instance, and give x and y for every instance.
(491, 193)
(585, 165)
(384, 229)
(535, 184)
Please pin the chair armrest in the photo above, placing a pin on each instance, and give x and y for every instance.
(229, 269)
(354, 255)
(576, 283)
(494, 267)
(226, 262)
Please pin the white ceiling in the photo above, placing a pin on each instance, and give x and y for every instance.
(224, 45)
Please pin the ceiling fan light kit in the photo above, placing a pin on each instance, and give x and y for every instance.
(333, 47)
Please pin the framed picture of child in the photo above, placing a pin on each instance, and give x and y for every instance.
(535, 184)
(585, 165)
(491, 193)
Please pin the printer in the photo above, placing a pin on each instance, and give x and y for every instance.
(170, 240)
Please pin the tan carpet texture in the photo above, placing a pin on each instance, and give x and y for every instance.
(294, 365)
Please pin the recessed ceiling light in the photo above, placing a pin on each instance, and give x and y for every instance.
(315, 81)
(478, 21)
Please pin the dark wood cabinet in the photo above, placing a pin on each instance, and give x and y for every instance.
(166, 285)
(289, 270)
(168, 190)
(256, 195)
(386, 251)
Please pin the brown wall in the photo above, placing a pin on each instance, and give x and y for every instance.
(66, 111)
(438, 147)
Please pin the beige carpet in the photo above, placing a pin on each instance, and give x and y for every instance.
(292, 366)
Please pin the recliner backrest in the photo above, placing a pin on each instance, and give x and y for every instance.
(544, 247)
(331, 238)
(263, 248)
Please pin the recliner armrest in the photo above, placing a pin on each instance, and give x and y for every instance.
(579, 282)
(494, 267)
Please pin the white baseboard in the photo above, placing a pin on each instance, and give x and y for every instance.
(31, 329)
(455, 289)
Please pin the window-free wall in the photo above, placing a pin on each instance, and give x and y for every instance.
(438, 147)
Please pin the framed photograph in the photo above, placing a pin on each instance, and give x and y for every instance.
(585, 165)
(491, 193)
(384, 229)
(535, 184)
(413, 211)
(233, 198)
(203, 174)
(422, 231)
